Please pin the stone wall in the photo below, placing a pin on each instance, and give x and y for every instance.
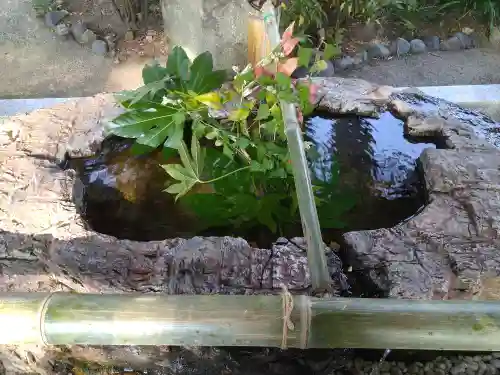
(217, 26)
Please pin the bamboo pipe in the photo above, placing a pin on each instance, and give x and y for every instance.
(320, 278)
(228, 320)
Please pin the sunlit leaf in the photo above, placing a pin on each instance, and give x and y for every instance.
(179, 172)
(319, 66)
(263, 112)
(289, 66)
(239, 114)
(211, 100)
(149, 127)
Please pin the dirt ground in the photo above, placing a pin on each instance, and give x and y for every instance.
(37, 63)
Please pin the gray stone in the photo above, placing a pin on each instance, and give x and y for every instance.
(460, 369)
(62, 30)
(100, 47)
(88, 37)
(400, 47)
(53, 18)
(432, 42)
(496, 363)
(417, 46)
(345, 63)
(377, 51)
(467, 40)
(451, 44)
(77, 30)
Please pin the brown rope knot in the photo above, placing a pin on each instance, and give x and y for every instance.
(287, 316)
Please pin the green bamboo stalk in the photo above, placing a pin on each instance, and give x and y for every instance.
(228, 320)
(320, 278)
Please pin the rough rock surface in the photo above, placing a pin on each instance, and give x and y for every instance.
(440, 253)
(45, 246)
(445, 250)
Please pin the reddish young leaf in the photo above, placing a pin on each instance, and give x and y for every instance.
(288, 66)
(288, 42)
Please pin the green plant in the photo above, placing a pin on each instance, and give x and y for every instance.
(42, 6)
(234, 170)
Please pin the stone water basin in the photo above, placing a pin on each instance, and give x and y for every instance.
(111, 265)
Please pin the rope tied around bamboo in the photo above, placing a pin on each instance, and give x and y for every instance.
(288, 325)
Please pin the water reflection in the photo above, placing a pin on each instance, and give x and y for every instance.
(371, 159)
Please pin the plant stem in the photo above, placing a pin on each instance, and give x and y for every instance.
(222, 177)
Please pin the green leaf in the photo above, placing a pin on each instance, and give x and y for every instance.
(263, 112)
(179, 118)
(181, 188)
(242, 143)
(305, 55)
(176, 188)
(226, 150)
(239, 114)
(319, 66)
(331, 51)
(199, 128)
(178, 63)
(178, 172)
(212, 134)
(210, 99)
(203, 78)
(283, 80)
(150, 127)
(175, 135)
(153, 73)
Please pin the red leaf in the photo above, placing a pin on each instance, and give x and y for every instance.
(288, 42)
(288, 67)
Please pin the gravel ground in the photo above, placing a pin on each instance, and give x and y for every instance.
(470, 67)
(456, 365)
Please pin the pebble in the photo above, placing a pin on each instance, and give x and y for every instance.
(432, 42)
(52, 19)
(452, 44)
(345, 63)
(77, 30)
(467, 41)
(400, 47)
(62, 29)
(377, 51)
(88, 37)
(417, 46)
(496, 363)
(100, 47)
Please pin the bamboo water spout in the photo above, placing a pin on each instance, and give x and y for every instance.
(320, 279)
(265, 321)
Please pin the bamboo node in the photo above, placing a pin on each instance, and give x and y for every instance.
(287, 316)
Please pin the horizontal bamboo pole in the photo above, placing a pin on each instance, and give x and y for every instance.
(228, 320)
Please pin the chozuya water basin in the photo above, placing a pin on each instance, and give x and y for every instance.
(484, 98)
